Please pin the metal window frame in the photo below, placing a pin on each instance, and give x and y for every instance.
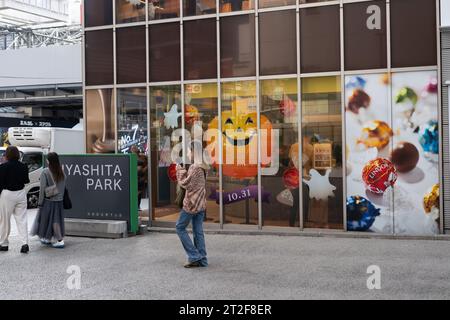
(342, 73)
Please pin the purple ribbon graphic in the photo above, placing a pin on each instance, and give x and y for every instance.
(250, 192)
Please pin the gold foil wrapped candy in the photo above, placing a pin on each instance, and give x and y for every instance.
(376, 134)
(431, 199)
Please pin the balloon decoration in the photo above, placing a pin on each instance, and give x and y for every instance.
(376, 134)
(239, 136)
(172, 172)
(191, 114)
(378, 175)
(361, 213)
(291, 178)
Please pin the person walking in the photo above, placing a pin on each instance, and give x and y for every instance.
(193, 180)
(49, 222)
(13, 198)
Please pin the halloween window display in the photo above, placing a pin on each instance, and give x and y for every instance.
(128, 11)
(322, 172)
(392, 164)
(165, 117)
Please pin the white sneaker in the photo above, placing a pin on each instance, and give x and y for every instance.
(58, 244)
(45, 241)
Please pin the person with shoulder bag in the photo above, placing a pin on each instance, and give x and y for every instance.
(191, 197)
(13, 198)
(49, 223)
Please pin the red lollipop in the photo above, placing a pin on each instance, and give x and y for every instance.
(172, 172)
(378, 175)
(291, 178)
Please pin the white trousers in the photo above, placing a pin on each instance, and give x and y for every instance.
(13, 203)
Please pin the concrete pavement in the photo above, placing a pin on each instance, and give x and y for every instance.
(241, 267)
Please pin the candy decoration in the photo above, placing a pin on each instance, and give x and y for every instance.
(405, 156)
(376, 134)
(378, 175)
(172, 172)
(406, 94)
(359, 99)
(431, 199)
(429, 137)
(356, 83)
(361, 213)
(291, 178)
(432, 86)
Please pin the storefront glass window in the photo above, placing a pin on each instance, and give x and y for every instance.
(408, 38)
(132, 119)
(275, 3)
(200, 110)
(322, 153)
(200, 49)
(279, 153)
(98, 13)
(320, 39)
(368, 137)
(199, 7)
(237, 46)
(236, 5)
(278, 43)
(100, 126)
(131, 53)
(99, 57)
(164, 41)
(163, 9)
(239, 156)
(365, 35)
(130, 11)
(165, 118)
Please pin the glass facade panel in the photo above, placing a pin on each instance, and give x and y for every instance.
(236, 5)
(365, 35)
(275, 3)
(280, 153)
(239, 155)
(408, 37)
(237, 46)
(163, 9)
(100, 124)
(199, 7)
(277, 42)
(322, 170)
(200, 110)
(131, 54)
(98, 13)
(200, 49)
(165, 118)
(319, 39)
(99, 57)
(129, 11)
(165, 58)
(132, 119)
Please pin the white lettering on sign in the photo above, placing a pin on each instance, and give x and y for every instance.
(374, 20)
(100, 177)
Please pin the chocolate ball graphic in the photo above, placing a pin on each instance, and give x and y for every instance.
(405, 156)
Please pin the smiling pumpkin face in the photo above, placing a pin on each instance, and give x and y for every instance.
(240, 141)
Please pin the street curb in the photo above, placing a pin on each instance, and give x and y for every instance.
(311, 234)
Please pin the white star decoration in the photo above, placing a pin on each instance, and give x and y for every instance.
(171, 118)
(320, 187)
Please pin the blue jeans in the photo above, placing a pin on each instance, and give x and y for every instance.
(195, 251)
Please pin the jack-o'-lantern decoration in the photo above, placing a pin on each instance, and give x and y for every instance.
(240, 140)
(191, 114)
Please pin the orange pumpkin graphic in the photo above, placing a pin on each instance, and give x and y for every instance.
(240, 141)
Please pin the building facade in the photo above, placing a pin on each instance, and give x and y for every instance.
(313, 114)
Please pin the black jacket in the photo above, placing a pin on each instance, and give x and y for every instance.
(13, 176)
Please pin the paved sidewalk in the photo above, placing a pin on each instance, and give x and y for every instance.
(241, 267)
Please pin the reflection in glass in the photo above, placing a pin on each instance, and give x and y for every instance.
(130, 11)
(237, 46)
(165, 117)
(131, 53)
(100, 126)
(163, 9)
(99, 57)
(280, 175)
(236, 5)
(199, 7)
(275, 3)
(322, 153)
(239, 155)
(132, 119)
(200, 110)
(98, 13)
